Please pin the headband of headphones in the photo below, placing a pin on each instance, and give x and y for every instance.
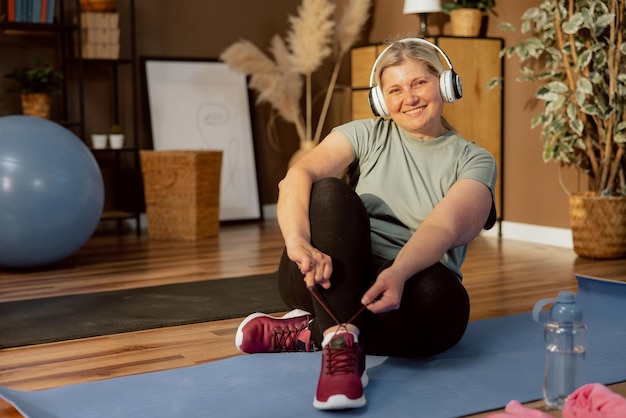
(418, 40)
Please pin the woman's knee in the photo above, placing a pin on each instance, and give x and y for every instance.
(331, 193)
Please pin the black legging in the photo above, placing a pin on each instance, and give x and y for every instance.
(434, 310)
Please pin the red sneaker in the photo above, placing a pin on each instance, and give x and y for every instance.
(262, 333)
(343, 374)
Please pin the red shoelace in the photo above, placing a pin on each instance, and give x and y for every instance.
(282, 339)
(327, 309)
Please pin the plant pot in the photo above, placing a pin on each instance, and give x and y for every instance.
(98, 5)
(36, 104)
(466, 22)
(116, 141)
(99, 141)
(598, 225)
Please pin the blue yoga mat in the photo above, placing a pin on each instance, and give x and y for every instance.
(498, 360)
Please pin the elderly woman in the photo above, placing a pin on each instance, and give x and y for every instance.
(372, 265)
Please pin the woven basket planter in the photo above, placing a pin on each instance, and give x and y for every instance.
(466, 22)
(98, 5)
(598, 225)
(181, 189)
(36, 104)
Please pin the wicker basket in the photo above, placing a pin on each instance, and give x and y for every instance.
(98, 5)
(36, 104)
(182, 193)
(466, 22)
(598, 225)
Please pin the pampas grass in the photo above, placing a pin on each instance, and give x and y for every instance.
(313, 37)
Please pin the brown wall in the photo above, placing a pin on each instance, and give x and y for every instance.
(192, 28)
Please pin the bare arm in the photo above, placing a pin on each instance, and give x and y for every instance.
(455, 221)
(328, 159)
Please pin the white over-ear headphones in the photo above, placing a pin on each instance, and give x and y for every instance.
(449, 81)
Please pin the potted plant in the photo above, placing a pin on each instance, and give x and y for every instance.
(116, 137)
(466, 16)
(574, 50)
(37, 83)
(99, 139)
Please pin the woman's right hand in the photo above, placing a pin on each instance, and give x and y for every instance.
(316, 266)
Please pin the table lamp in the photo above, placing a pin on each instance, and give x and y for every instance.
(422, 7)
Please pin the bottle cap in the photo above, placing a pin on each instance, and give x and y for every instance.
(565, 308)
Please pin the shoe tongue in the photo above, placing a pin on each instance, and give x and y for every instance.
(341, 341)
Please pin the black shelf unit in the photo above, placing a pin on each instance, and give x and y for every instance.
(67, 27)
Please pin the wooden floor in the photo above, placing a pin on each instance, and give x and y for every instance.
(502, 277)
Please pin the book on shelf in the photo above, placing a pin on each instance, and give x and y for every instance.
(31, 11)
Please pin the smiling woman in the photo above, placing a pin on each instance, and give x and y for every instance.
(381, 261)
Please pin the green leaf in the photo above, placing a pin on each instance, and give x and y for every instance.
(558, 87)
(590, 109)
(531, 13)
(583, 85)
(536, 121)
(507, 26)
(494, 82)
(584, 59)
(548, 96)
(571, 111)
(574, 24)
(534, 44)
(604, 20)
(577, 126)
(580, 97)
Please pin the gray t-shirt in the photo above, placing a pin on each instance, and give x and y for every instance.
(401, 179)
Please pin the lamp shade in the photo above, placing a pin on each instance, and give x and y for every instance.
(421, 6)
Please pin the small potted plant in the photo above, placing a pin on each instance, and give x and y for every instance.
(37, 83)
(466, 16)
(116, 137)
(99, 139)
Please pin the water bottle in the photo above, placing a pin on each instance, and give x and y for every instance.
(566, 342)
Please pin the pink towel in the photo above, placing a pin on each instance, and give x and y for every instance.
(515, 409)
(594, 401)
(589, 401)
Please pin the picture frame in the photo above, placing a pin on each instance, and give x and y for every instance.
(201, 104)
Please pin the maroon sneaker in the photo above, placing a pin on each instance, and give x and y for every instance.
(343, 374)
(262, 333)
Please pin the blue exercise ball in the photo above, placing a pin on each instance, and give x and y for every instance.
(51, 192)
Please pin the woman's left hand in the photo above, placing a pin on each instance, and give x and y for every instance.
(386, 292)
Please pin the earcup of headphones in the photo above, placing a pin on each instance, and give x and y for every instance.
(450, 86)
(377, 102)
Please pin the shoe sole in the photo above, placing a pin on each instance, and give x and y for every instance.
(342, 401)
(239, 335)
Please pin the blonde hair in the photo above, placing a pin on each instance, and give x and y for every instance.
(402, 50)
